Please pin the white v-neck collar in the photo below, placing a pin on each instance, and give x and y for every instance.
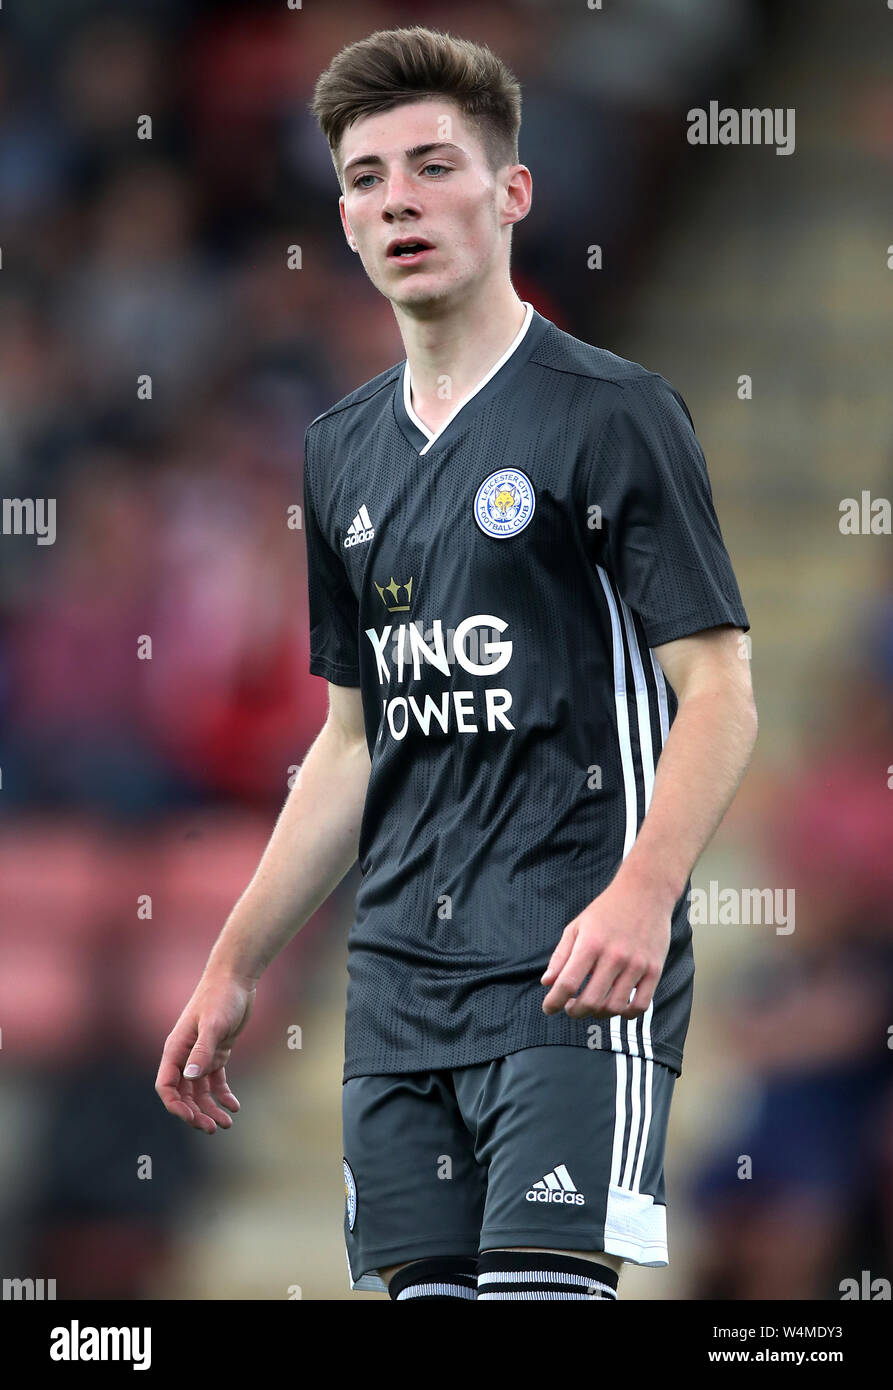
(407, 385)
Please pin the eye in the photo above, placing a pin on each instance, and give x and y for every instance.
(444, 169)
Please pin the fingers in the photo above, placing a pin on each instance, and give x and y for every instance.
(205, 1106)
(641, 1000)
(560, 955)
(606, 975)
(194, 1100)
(200, 1058)
(610, 989)
(221, 1090)
(571, 975)
(197, 1117)
(167, 1086)
(178, 1097)
(196, 1103)
(627, 994)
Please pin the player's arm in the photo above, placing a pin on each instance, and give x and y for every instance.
(314, 843)
(622, 937)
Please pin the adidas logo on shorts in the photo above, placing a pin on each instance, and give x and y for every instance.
(557, 1186)
(360, 529)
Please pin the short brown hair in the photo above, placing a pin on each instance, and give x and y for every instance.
(395, 66)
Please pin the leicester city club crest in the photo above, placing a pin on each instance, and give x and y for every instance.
(350, 1195)
(504, 503)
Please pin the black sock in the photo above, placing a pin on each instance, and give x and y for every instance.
(442, 1277)
(539, 1274)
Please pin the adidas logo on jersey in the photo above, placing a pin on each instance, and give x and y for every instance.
(557, 1186)
(360, 529)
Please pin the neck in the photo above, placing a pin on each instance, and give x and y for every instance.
(460, 340)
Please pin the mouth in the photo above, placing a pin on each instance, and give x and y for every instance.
(409, 250)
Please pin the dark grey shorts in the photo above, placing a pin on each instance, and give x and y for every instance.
(558, 1147)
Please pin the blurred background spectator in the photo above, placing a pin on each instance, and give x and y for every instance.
(140, 783)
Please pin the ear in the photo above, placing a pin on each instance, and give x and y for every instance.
(518, 193)
(346, 225)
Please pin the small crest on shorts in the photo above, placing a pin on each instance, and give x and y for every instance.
(350, 1195)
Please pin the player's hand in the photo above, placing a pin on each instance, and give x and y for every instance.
(622, 938)
(203, 1037)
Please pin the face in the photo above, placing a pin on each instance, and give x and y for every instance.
(397, 189)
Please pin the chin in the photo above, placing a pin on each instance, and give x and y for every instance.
(414, 296)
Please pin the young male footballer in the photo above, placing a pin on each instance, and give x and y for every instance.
(540, 709)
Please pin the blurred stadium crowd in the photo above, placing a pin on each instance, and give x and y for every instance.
(124, 776)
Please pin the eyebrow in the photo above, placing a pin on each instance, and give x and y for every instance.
(410, 154)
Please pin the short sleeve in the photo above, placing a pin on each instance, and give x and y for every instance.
(662, 541)
(334, 613)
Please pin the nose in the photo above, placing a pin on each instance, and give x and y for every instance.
(400, 195)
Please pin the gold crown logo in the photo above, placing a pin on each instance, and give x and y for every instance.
(392, 591)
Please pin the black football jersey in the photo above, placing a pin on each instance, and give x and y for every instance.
(496, 591)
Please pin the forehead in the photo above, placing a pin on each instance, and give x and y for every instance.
(389, 133)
